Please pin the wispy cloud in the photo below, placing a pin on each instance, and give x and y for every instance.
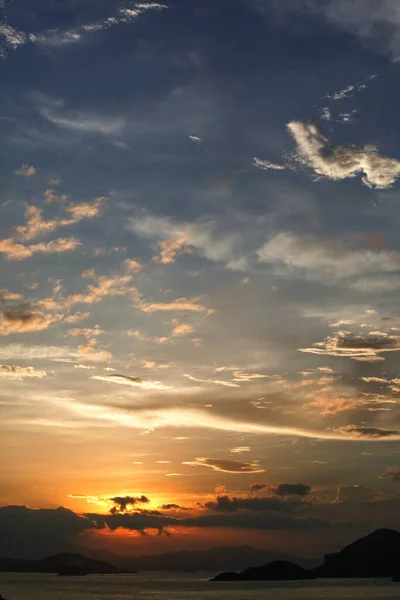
(137, 382)
(227, 466)
(20, 373)
(178, 305)
(326, 260)
(176, 238)
(13, 38)
(266, 165)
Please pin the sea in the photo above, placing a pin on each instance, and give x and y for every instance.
(193, 586)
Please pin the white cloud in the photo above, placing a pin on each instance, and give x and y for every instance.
(326, 260)
(13, 38)
(347, 91)
(341, 162)
(266, 165)
(325, 114)
(196, 139)
(83, 122)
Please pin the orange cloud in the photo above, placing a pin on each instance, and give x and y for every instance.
(35, 225)
(181, 304)
(52, 196)
(26, 171)
(131, 265)
(15, 251)
(21, 319)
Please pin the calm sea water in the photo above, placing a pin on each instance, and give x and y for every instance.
(147, 586)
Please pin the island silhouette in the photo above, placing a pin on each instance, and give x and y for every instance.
(375, 555)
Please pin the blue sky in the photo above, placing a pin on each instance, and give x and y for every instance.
(200, 259)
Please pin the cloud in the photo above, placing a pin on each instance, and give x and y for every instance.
(178, 305)
(102, 287)
(347, 91)
(372, 433)
(196, 139)
(13, 38)
(227, 466)
(52, 196)
(138, 382)
(257, 487)
(15, 251)
(86, 353)
(292, 489)
(83, 122)
(181, 329)
(131, 265)
(20, 373)
(24, 352)
(37, 226)
(240, 449)
(341, 162)
(122, 504)
(252, 504)
(22, 319)
(357, 347)
(393, 473)
(88, 332)
(7, 296)
(25, 170)
(355, 493)
(53, 353)
(266, 165)
(326, 260)
(212, 381)
(173, 507)
(175, 238)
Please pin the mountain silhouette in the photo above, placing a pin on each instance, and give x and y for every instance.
(279, 570)
(375, 555)
(57, 563)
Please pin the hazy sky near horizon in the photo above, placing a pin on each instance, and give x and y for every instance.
(200, 271)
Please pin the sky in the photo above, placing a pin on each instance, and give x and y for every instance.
(200, 267)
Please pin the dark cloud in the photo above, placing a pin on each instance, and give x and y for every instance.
(392, 473)
(257, 487)
(356, 342)
(173, 507)
(293, 489)
(367, 432)
(226, 504)
(256, 520)
(228, 466)
(136, 521)
(123, 502)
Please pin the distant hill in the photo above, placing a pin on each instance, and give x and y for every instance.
(215, 559)
(375, 555)
(57, 563)
(279, 570)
